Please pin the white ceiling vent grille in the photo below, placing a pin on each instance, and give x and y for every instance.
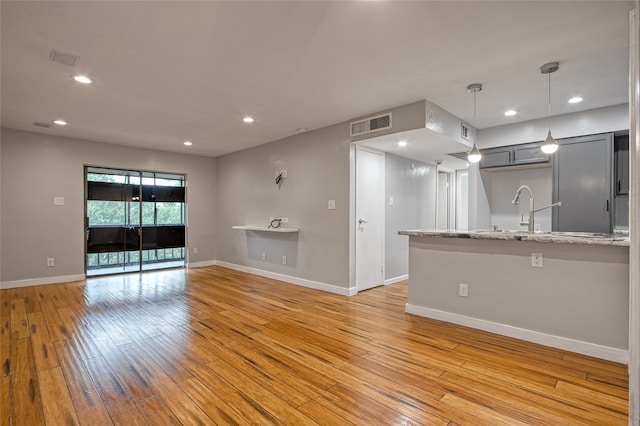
(465, 133)
(372, 124)
(63, 58)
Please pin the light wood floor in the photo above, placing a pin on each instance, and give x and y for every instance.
(214, 346)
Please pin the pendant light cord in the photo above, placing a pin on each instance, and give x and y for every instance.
(549, 114)
(474, 112)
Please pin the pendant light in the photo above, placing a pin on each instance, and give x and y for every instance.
(474, 155)
(550, 145)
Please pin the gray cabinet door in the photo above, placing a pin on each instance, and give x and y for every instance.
(529, 153)
(495, 157)
(582, 181)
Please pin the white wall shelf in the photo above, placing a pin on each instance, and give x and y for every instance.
(264, 228)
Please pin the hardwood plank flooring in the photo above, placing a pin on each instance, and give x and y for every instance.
(215, 346)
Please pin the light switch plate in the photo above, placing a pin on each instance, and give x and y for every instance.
(390, 201)
(331, 205)
(463, 290)
(58, 201)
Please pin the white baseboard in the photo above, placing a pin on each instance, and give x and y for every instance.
(578, 346)
(203, 264)
(290, 279)
(41, 281)
(396, 279)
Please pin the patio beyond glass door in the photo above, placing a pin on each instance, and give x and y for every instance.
(135, 220)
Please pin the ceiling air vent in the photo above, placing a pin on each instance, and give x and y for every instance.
(39, 124)
(372, 124)
(64, 58)
(464, 131)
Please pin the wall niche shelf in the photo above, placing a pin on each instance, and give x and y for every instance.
(264, 228)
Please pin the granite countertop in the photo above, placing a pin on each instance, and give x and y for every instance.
(541, 237)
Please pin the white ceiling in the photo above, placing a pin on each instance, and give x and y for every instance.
(171, 71)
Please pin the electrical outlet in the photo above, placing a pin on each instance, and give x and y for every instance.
(285, 220)
(58, 201)
(536, 260)
(195, 250)
(284, 173)
(464, 290)
(284, 260)
(50, 261)
(264, 256)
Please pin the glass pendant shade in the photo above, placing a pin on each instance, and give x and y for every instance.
(550, 145)
(474, 155)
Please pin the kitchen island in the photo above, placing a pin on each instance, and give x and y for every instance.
(577, 300)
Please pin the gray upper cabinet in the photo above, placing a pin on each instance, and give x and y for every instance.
(514, 155)
(529, 153)
(583, 182)
(496, 157)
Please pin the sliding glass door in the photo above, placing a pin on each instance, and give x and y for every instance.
(135, 220)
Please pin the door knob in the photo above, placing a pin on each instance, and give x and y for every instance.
(361, 221)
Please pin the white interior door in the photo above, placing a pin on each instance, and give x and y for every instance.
(370, 219)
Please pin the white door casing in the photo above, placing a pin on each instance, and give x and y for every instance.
(370, 197)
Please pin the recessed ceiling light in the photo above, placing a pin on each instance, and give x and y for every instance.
(575, 100)
(248, 120)
(510, 112)
(83, 79)
(402, 143)
(60, 122)
(187, 143)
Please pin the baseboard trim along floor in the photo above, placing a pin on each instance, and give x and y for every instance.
(581, 347)
(290, 279)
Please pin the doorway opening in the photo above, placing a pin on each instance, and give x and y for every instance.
(134, 220)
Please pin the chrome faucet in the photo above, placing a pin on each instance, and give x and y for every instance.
(532, 210)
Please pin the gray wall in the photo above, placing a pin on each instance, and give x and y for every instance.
(0, 208)
(621, 211)
(317, 165)
(504, 185)
(37, 167)
(412, 184)
(479, 198)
